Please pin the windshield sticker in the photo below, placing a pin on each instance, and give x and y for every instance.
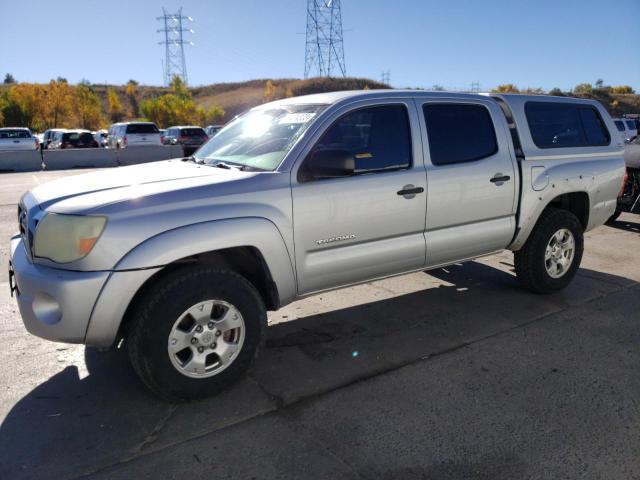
(296, 118)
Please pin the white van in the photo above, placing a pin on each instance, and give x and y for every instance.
(134, 134)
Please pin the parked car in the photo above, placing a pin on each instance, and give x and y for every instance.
(300, 196)
(211, 130)
(17, 138)
(73, 139)
(189, 137)
(101, 137)
(47, 136)
(134, 134)
(627, 128)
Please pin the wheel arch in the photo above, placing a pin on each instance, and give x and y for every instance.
(253, 247)
(576, 202)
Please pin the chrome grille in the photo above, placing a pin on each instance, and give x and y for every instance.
(25, 232)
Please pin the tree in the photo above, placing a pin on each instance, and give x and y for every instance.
(9, 80)
(178, 108)
(534, 91)
(131, 93)
(583, 89)
(114, 107)
(437, 88)
(506, 88)
(269, 91)
(622, 89)
(88, 108)
(556, 92)
(25, 103)
(214, 115)
(58, 103)
(599, 83)
(179, 87)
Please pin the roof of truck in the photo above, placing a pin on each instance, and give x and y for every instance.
(330, 98)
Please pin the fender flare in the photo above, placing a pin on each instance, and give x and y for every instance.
(150, 256)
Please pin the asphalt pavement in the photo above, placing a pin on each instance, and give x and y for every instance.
(455, 373)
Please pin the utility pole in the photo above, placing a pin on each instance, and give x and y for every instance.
(324, 48)
(385, 77)
(174, 63)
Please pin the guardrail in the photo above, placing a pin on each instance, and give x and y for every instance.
(33, 160)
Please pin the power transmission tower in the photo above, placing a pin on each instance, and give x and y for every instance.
(324, 43)
(475, 87)
(385, 77)
(174, 63)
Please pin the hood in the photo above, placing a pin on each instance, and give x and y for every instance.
(87, 191)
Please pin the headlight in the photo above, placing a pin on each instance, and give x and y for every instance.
(65, 238)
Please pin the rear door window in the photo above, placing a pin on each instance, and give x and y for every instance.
(558, 125)
(620, 125)
(459, 132)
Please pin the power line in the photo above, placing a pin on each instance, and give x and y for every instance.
(324, 49)
(174, 63)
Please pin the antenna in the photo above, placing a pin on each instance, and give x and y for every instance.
(174, 63)
(324, 50)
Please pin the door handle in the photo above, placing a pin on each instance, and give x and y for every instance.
(499, 179)
(409, 191)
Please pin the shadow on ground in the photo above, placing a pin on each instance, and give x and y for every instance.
(68, 426)
(625, 225)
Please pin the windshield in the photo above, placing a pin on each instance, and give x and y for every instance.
(260, 138)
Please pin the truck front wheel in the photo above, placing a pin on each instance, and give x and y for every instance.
(550, 258)
(195, 332)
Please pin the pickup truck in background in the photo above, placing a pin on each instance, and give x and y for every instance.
(182, 259)
(17, 139)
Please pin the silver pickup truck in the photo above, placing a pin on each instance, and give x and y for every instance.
(183, 258)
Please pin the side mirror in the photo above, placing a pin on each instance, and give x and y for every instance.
(330, 163)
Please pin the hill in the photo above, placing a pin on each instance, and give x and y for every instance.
(35, 105)
(238, 97)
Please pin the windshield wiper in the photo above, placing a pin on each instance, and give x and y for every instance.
(226, 166)
(193, 159)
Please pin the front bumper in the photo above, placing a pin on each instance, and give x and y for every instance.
(55, 304)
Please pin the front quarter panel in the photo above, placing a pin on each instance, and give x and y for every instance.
(146, 259)
(194, 239)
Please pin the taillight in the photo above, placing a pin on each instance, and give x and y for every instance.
(125, 141)
(37, 143)
(162, 139)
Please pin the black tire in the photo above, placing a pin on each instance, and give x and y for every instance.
(615, 215)
(161, 305)
(530, 259)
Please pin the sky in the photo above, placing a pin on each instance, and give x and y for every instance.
(535, 43)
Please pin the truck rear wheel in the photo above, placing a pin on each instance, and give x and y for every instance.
(550, 258)
(195, 332)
